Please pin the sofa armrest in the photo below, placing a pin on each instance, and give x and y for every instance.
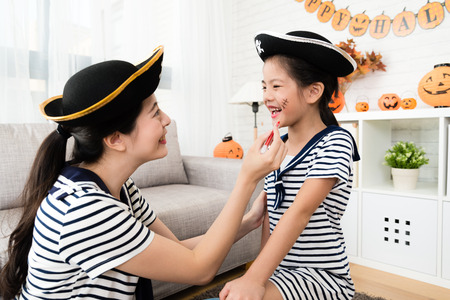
(215, 172)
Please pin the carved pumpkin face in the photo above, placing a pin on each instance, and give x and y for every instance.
(337, 103)
(389, 102)
(359, 25)
(362, 106)
(434, 87)
(408, 103)
(228, 149)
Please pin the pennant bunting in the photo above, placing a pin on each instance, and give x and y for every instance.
(403, 24)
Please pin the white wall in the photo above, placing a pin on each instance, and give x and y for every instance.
(408, 58)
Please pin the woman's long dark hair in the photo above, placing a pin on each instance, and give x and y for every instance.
(306, 74)
(47, 165)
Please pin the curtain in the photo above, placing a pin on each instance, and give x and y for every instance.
(46, 41)
(43, 43)
(200, 80)
(15, 93)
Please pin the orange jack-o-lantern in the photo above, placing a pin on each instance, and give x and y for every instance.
(340, 20)
(389, 102)
(404, 23)
(362, 106)
(408, 103)
(379, 26)
(326, 11)
(434, 87)
(359, 24)
(337, 103)
(228, 148)
(430, 15)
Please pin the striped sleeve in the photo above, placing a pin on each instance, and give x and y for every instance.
(98, 235)
(333, 158)
(141, 208)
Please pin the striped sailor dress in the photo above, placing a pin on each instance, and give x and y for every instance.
(81, 234)
(316, 267)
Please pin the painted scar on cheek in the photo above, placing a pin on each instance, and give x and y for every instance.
(284, 103)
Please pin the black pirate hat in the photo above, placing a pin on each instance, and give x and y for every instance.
(308, 46)
(104, 91)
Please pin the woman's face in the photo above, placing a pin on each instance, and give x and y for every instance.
(282, 96)
(148, 139)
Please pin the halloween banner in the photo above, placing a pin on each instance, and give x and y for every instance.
(429, 16)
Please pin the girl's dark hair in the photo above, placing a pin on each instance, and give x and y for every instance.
(306, 74)
(47, 165)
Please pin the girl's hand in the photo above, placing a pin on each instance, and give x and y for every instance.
(242, 288)
(257, 165)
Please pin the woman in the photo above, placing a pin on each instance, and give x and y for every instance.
(86, 230)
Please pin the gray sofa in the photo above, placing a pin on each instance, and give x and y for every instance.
(187, 193)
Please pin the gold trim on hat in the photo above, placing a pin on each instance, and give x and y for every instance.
(155, 56)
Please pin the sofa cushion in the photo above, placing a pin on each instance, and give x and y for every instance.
(195, 207)
(9, 218)
(167, 170)
(189, 210)
(18, 146)
(19, 143)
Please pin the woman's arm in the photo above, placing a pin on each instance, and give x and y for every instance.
(288, 229)
(165, 259)
(250, 222)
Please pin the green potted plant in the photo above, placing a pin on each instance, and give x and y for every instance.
(405, 159)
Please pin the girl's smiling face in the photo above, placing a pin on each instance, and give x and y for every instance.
(282, 96)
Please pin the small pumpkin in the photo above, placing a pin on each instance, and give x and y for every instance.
(362, 106)
(447, 5)
(228, 148)
(404, 23)
(430, 15)
(337, 102)
(434, 87)
(359, 24)
(312, 6)
(326, 11)
(408, 103)
(389, 101)
(341, 19)
(379, 26)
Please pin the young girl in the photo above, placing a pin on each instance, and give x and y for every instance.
(303, 250)
(86, 231)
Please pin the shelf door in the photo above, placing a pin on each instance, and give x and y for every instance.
(401, 231)
(349, 223)
(446, 241)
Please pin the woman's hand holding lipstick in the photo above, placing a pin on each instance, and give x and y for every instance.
(261, 164)
(268, 141)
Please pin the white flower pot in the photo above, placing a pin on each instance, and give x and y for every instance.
(404, 179)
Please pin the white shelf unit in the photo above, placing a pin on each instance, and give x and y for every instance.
(401, 232)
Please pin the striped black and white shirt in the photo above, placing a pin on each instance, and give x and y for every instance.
(321, 244)
(81, 234)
